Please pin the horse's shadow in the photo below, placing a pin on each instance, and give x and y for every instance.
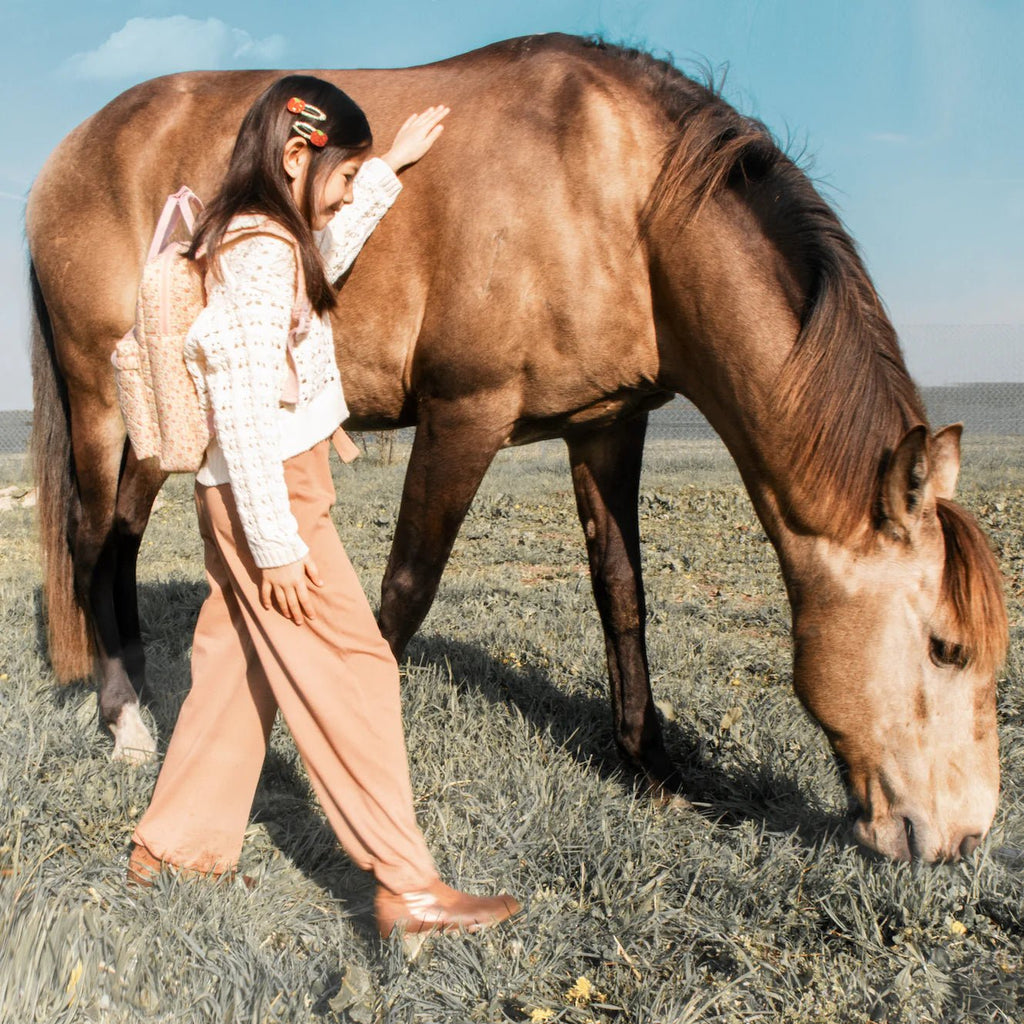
(578, 723)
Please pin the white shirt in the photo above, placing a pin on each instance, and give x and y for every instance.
(237, 352)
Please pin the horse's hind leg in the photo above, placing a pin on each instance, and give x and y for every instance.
(137, 489)
(97, 439)
(606, 477)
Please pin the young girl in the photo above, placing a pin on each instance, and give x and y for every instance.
(286, 624)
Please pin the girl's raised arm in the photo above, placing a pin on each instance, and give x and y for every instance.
(376, 187)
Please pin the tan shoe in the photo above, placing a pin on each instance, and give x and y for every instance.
(439, 908)
(143, 868)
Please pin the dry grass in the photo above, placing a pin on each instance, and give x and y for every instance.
(755, 907)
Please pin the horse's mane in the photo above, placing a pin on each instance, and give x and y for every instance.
(972, 589)
(844, 391)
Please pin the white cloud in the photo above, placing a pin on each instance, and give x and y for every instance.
(156, 46)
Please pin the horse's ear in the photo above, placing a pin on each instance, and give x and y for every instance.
(944, 452)
(905, 479)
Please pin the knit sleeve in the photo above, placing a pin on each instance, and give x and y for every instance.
(375, 188)
(244, 344)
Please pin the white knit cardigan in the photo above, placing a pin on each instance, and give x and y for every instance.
(236, 352)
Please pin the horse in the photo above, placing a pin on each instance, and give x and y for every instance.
(595, 233)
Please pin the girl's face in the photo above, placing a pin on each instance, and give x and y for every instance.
(330, 195)
(335, 192)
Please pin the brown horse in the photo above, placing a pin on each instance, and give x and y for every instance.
(594, 234)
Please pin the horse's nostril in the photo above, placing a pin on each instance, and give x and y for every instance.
(908, 827)
(969, 844)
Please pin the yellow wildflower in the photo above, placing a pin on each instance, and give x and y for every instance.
(583, 992)
(76, 976)
(541, 1014)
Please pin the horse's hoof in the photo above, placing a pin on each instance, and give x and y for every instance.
(665, 789)
(667, 799)
(133, 742)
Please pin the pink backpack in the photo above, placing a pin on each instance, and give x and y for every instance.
(156, 393)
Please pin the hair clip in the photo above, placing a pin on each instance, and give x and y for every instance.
(314, 136)
(299, 106)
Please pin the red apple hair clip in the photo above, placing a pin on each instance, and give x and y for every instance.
(315, 136)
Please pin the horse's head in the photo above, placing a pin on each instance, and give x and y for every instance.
(899, 634)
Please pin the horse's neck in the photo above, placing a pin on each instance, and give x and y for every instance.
(728, 309)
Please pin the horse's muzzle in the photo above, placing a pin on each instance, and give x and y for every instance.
(911, 838)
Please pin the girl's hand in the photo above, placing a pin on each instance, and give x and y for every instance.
(286, 586)
(415, 137)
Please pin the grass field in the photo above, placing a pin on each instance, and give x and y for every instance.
(754, 906)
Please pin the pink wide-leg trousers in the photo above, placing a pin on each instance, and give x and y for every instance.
(334, 680)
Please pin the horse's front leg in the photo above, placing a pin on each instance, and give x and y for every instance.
(455, 443)
(606, 477)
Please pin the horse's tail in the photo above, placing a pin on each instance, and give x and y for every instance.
(70, 642)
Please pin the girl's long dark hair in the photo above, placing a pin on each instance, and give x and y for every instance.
(256, 182)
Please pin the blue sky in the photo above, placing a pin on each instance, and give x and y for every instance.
(909, 109)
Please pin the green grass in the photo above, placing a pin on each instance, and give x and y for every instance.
(754, 906)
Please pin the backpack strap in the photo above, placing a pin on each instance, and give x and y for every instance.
(269, 227)
(179, 207)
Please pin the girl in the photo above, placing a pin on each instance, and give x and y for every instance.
(299, 200)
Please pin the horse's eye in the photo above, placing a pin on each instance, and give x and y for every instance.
(947, 654)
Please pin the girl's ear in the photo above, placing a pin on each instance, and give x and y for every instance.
(295, 158)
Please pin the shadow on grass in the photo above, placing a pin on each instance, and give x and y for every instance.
(581, 726)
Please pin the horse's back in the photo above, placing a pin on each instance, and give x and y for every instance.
(528, 208)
